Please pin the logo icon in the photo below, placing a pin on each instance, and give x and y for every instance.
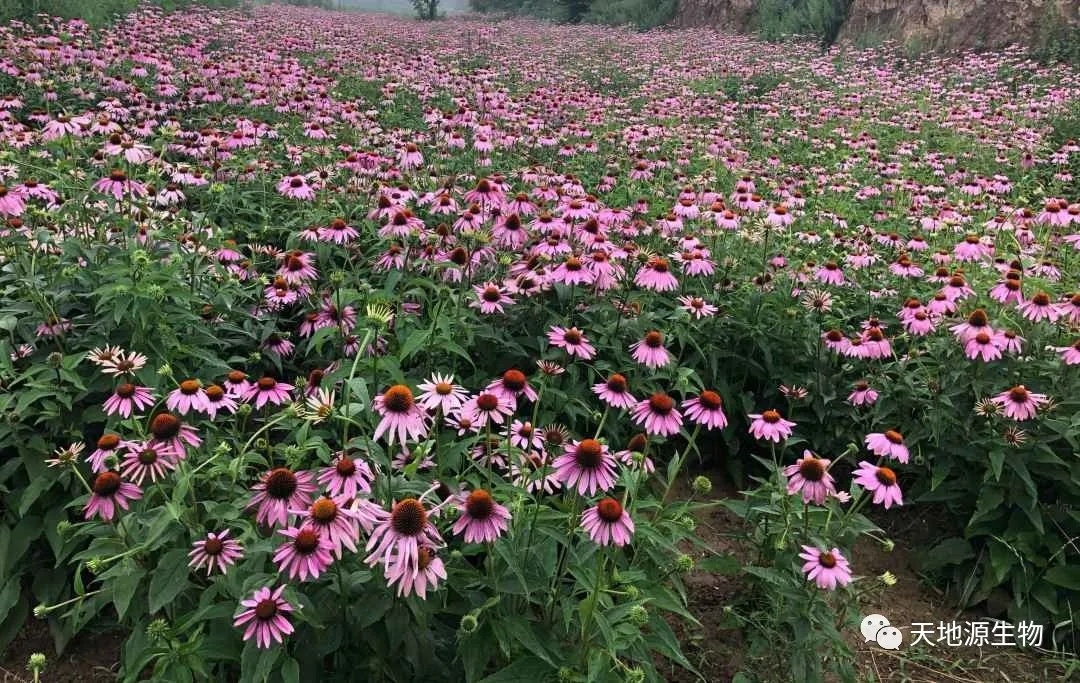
(876, 628)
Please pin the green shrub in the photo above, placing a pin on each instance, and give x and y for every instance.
(821, 19)
(1055, 39)
(641, 14)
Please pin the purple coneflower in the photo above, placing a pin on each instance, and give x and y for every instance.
(827, 568)
(770, 426)
(607, 523)
(217, 549)
(1019, 403)
(880, 481)
(109, 491)
(346, 476)
(487, 407)
(440, 392)
(615, 392)
(127, 398)
(862, 395)
(706, 409)
(889, 444)
(190, 395)
(268, 390)
(429, 570)
(170, 431)
(397, 537)
(490, 298)
(218, 400)
(658, 414)
(265, 617)
(1070, 354)
(650, 351)
(656, 275)
(482, 520)
(108, 445)
(147, 459)
(588, 464)
(281, 490)
(306, 554)
(572, 341)
(402, 418)
(334, 522)
(511, 386)
(810, 475)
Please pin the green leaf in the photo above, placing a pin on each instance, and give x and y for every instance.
(723, 564)
(290, 671)
(125, 585)
(661, 639)
(531, 669)
(9, 596)
(169, 580)
(524, 633)
(257, 663)
(1066, 576)
(950, 551)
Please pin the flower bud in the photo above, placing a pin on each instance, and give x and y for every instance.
(687, 522)
(684, 563)
(337, 277)
(888, 578)
(95, 565)
(469, 623)
(702, 485)
(244, 409)
(40, 611)
(261, 444)
(222, 449)
(62, 527)
(567, 675)
(54, 359)
(635, 675)
(887, 545)
(632, 592)
(165, 370)
(639, 616)
(37, 663)
(255, 357)
(157, 630)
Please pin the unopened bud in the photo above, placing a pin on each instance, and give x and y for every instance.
(37, 663)
(469, 623)
(888, 578)
(639, 616)
(54, 359)
(684, 563)
(702, 485)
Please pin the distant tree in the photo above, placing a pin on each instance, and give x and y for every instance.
(575, 10)
(426, 9)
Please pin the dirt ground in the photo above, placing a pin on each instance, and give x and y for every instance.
(719, 649)
(89, 658)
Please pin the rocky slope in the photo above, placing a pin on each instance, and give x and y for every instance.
(942, 24)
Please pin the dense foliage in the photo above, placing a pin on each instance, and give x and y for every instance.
(340, 346)
(641, 14)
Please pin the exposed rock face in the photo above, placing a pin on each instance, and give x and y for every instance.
(941, 24)
(955, 23)
(726, 15)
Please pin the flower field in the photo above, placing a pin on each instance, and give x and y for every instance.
(350, 347)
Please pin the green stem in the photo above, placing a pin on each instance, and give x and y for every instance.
(679, 463)
(590, 606)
